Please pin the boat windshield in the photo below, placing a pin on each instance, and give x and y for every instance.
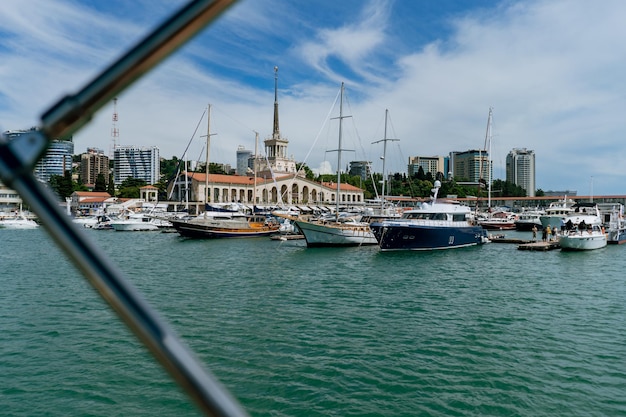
(425, 216)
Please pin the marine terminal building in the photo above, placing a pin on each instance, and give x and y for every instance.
(276, 181)
(288, 190)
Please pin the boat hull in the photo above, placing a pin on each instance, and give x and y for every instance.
(208, 231)
(491, 225)
(133, 226)
(527, 225)
(18, 224)
(552, 221)
(616, 236)
(578, 241)
(322, 235)
(398, 236)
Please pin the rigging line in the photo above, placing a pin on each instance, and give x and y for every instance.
(239, 122)
(182, 158)
(319, 133)
(326, 119)
(356, 131)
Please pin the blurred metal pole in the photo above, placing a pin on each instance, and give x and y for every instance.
(17, 161)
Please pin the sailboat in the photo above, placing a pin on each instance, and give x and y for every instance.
(383, 209)
(494, 219)
(336, 230)
(214, 223)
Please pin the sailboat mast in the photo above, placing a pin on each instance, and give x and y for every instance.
(339, 154)
(488, 150)
(186, 182)
(384, 157)
(207, 194)
(256, 150)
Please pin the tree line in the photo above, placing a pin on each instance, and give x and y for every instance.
(418, 185)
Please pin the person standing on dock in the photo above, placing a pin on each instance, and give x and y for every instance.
(546, 233)
(534, 233)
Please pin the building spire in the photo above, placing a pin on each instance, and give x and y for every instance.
(276, 133)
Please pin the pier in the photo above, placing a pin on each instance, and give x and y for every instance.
(526, 244)
(539, 246)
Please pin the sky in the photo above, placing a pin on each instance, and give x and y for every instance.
(553, 71)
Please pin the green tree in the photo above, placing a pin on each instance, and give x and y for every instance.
(101, 184)
(62, 184)
(507, 189)
(130, 188)
(307, 171)
(111, 186)
(169, 168)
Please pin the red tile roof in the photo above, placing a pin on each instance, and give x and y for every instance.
(245, 180)
(92, 194)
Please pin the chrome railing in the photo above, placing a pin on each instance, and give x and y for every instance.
(17, 161)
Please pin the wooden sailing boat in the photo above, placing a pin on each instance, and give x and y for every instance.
(337, 230)
(222, 224)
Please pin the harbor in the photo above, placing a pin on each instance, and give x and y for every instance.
(273, 287)
(299, 331)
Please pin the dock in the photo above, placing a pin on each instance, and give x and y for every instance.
(504, 239)
(539, 246)
(286, 237)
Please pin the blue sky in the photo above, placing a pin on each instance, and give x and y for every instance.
(553, 71)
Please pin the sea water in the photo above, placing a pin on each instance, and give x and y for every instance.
(292, 331)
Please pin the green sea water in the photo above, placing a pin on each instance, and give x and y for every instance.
(291, 331)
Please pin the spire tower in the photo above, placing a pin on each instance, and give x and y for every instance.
(278, 162)
(276, 131)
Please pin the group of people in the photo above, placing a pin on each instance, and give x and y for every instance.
(547, 234)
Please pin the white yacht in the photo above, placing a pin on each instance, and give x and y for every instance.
(583, 229)
(555, 214)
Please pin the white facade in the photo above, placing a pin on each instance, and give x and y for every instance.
(432, 164)
(56, 161)
(287, 190)
(136, 162)
(9, 199)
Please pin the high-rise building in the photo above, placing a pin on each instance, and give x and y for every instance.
(136, 162)
(56, 161)
(472, 165)
(93, 163)
(520, 169)
(432, 164)
(361, 169)
(243, 160)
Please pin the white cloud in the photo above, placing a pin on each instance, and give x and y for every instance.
(324, 168)
(551, 69)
